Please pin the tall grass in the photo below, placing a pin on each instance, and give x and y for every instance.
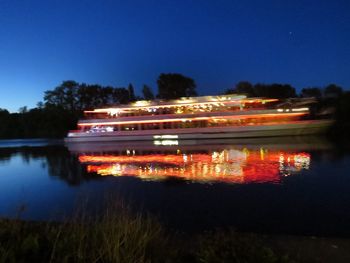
(117, 236)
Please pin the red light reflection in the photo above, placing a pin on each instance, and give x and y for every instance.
(229, 165)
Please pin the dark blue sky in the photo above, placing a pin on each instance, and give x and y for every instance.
(217, 43)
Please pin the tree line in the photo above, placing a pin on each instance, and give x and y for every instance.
(74, 96)
(64, 105)
(282, 91)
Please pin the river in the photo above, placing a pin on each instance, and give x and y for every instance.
(287, 185)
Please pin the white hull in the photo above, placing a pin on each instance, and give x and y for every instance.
(284, 129)
(292, 143)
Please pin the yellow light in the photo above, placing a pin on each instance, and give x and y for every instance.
(166, 142)
(262, 154)
(142, 103)
(186, 102)
(165, 136)
(267, 115)
(300, 109)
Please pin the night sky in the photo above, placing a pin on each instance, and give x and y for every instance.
(217, 43)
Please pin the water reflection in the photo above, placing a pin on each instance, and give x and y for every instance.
(297, 185)
(217, 161)
(54, 158)
(267, 160)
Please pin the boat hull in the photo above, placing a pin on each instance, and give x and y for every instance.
(286, 129)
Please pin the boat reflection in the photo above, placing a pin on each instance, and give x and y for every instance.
(229, 163)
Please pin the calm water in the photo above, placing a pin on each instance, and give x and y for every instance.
(298, 185)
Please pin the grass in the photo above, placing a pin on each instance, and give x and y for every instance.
(116, 236)
(120, 235)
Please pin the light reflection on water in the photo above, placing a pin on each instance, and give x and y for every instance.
(227, 164)
(290, 185)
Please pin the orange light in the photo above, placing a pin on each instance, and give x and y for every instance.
(267, 115)
(156, 158)
(240, 101)
(232, 166)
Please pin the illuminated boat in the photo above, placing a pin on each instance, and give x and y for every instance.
(207, 117)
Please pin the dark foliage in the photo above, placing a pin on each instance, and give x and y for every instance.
(147, 93)
(333, 91)
(279, 91)
(119, 235)
(73, 96)
(245, 87)
(64, 105)
(342, 114)
(49, 122)
(131, 92)
(61, 109)
(311, 92)
(174, 86)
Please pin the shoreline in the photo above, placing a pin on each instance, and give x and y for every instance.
(222, 244)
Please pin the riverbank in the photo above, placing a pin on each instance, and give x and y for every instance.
(120, 235)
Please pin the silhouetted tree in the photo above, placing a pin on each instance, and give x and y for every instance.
(23, 109)
(278, 91)
(343, 108)
(63, 106)
(263, 90)
(64, 95)
(131, 92)
(229, 91)
(173, 86)
(106, 96)
(73, 96)
(40, 105)
(89, 96)
(333, 91)
(51, 121)
(4, 112)
(245, 87)
(121, 95)
(147, 93)
(5, 123)
(311, 92)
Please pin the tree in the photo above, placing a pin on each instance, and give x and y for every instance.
(8, 126)
(121, 95)
(89, 96)
(278, 91)
(311, 92)
(173, 86)
(333, 91)
(283, 91)
(23, 109)
(40, 105)
(5, 129)
(4, 112)
(245, 87)
(77, 97)
(106, 96)
(229, 91)
(343, 109)
(147, 93)
(131, 92)
(64, 95)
